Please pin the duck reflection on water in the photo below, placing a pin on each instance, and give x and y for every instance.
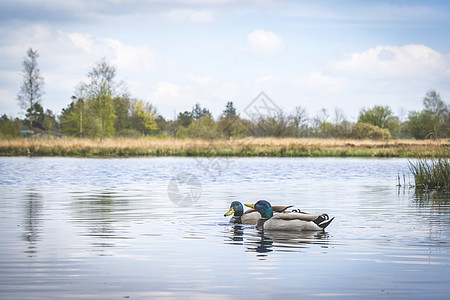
(262, 242)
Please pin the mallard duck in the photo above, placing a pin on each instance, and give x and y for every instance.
(251, 216)
(288, 221)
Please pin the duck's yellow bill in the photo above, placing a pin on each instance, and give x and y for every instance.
(229, 212)
(250, 205)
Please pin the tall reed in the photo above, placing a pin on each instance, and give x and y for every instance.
(432, 174)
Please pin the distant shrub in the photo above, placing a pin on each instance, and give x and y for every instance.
(8, 128)
(182, 133)
(369, 131)
(204, 128)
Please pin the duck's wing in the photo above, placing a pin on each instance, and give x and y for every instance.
(322, 221)
(281, 208)
(297, 216)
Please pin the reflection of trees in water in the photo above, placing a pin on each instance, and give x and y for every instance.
(439, 201)
(275, 241)
(100, 214)
(32, 220)
(434, 207)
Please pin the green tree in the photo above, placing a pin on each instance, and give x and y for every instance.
(380, 116)
(204, 128)
(50, 123)
(440, 113)
(32, 88)
(99, 94)
(326, 129)
(143, 117)
(68, 124)
(122, 106)
(8, 128)
(199, 112)
(230, 110)
(230, 124)
(277, 125)
(185, 118)
(232, 127)
(434, 104)
(163, 124)
(421, 124)
(75, 119)
(35, 116)
(433, 120)
(182, 132)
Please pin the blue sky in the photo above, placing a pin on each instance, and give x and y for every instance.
(317, 54)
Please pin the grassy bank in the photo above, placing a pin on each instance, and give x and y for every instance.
(280, 147)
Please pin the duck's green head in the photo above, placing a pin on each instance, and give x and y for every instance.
(237, 208)
(263, 207)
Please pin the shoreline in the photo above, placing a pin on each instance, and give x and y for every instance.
(246, 147)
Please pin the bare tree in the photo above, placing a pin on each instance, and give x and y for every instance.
(299, 118)
(32, 87)
(339, 116)
(322, 115)
(320, 118)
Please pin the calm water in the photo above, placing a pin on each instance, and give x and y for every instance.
(106, 229)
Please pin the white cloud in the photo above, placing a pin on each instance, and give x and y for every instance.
(264, 43)
(171, 97)
(191, 15)
(320, 82)
(264, 80)
(131, 59)
(374, 11)
(127, 58)
(166, 89)
(406, 61)
(225, 91)
(8, 102)
(214, 88)
(202, 81)
(79, 40)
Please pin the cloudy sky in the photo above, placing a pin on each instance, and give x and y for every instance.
(318, 54)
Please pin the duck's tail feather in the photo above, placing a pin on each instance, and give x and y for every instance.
(284, 209)
(323, 221)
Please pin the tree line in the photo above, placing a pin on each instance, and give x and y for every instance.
(103, 107)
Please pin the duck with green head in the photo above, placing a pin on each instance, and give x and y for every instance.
(251, 216)
(288, 221)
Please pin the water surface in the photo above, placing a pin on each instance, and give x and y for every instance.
(106, 229)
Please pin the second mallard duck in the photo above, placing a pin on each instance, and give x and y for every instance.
(251, 216)
(288, 221)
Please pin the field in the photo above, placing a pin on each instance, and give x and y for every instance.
(276, 147)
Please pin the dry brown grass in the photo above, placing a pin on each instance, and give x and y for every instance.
(238, 147)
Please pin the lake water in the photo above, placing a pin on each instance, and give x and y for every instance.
(75, 228)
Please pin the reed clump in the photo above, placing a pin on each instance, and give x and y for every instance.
(274, 147)
(434, 173)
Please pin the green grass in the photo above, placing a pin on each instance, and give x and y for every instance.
(432, 174)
